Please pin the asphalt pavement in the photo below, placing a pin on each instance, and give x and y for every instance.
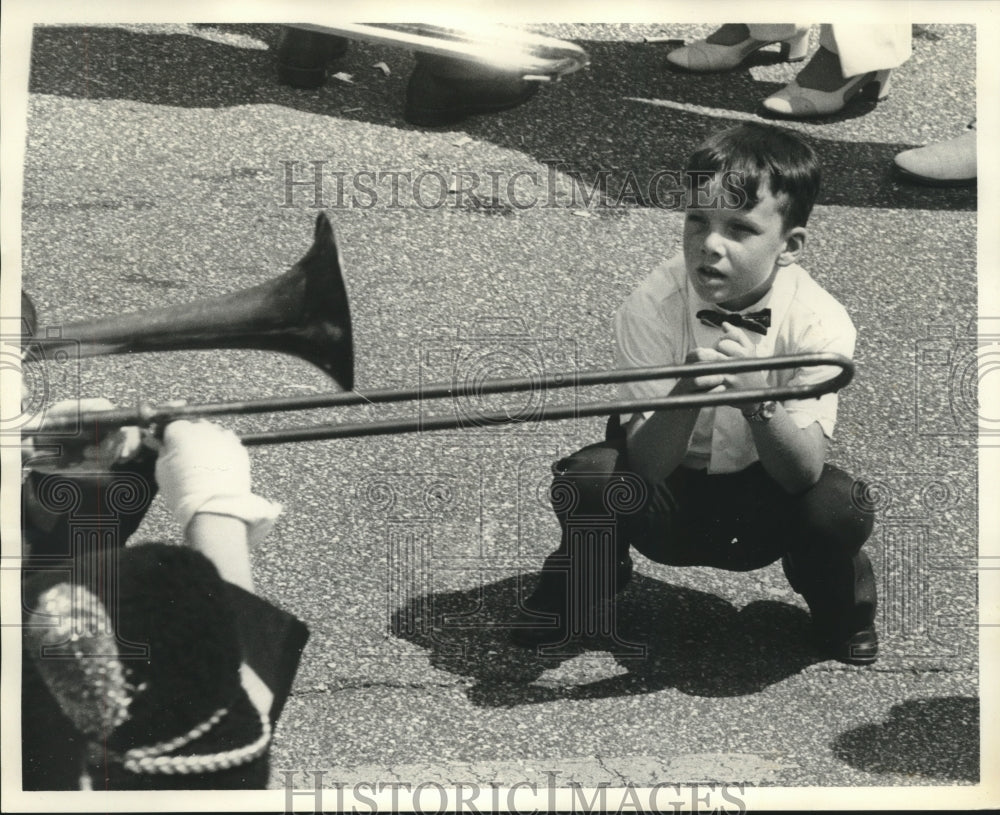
(159, 169)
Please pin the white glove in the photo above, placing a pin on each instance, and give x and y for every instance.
(203, 467)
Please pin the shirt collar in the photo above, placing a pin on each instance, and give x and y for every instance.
(778, 298)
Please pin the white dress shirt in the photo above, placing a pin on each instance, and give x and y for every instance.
(656, 325)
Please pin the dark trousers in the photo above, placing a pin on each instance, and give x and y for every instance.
(735, 521)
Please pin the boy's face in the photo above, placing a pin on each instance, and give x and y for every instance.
(732, 255)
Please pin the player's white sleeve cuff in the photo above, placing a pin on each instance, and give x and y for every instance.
(257, 513)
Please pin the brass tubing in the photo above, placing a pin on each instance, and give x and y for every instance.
(558, 412)
(145, 416)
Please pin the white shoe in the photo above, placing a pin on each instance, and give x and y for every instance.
(795, 102)
(945, 163)
(703, 56)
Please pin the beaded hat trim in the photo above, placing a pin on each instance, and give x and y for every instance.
(73, 644)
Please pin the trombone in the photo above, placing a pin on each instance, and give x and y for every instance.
(305, 313)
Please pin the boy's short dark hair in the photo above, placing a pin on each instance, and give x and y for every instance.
(754, 153)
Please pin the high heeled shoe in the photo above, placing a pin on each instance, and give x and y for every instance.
(795, 102)
(703, 56)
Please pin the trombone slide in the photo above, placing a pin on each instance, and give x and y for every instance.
(150, 415)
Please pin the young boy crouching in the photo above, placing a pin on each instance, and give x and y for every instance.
(736, 488)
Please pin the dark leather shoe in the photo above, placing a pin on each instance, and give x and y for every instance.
(861, 648)
(546, 615)
(534, 631)
(842, 601)
(443, 91)
(303, 57)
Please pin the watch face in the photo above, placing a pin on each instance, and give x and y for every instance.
(764, 412)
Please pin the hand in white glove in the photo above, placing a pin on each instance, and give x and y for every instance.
(203, 467)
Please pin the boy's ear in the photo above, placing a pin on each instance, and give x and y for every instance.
(795, 244)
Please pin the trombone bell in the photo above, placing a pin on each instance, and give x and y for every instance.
(304, 312)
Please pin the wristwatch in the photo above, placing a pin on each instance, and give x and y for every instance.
(763, 412)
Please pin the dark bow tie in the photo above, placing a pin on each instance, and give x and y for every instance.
(758, 321)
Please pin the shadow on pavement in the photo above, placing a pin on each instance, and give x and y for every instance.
(690, 640)
(627, 114)
(933, 738)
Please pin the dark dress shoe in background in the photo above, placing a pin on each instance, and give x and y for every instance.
(443, 91)
(303, 57)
